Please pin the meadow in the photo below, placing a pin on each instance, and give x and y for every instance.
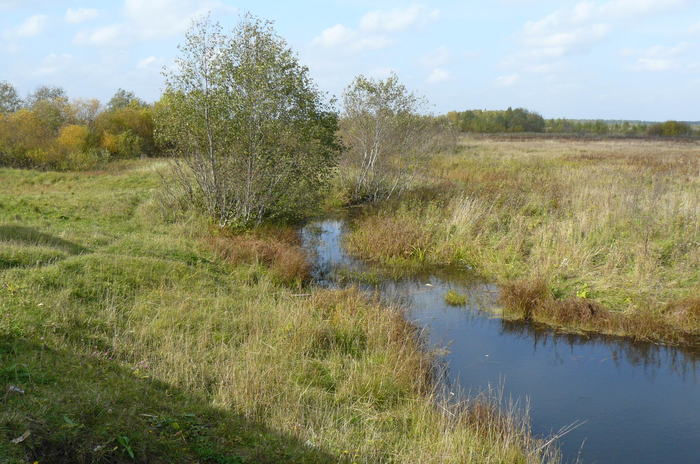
(592, 235)
(131, 331)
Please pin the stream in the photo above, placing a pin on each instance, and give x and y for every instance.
(637, 402)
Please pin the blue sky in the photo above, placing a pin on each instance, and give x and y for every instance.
(627, 59)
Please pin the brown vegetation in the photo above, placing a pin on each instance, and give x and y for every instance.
(279, 250)
(597, 224)
(533, 300)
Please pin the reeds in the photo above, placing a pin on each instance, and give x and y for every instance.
(611, 222)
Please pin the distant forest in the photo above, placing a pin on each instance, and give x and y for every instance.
(520, 120)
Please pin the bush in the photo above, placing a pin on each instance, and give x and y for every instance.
(670, 129)
(265, 150)
(73, 138)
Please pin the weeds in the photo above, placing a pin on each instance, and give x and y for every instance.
(157, 342)
(604, 224)
(454, 298)
(285, 258)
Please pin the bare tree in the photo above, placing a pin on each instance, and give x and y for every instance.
(386, 136)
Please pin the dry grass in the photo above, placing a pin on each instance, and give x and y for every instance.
(279, 251)
(615, 222)
(398, 237)
(533, 300)
(149, 337)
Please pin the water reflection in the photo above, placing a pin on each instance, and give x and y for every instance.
(640, 401)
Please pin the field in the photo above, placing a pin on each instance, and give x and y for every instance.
(586, 235)
(132, 333)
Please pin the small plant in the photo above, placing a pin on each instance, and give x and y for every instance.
(125, 443)
(453, 298)
(583, 292)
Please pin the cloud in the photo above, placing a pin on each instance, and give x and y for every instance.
(107, 35)
(80, 15)
(694, 29)
(350, 39)
(508, 80)
(30, 27)
(159, 18)
(655, 64)
(153, 19)
(438, 57)
(439, 75)
(398, 19)
(147, 62)
(577, 29)
(375, 29)
(659, 57)
(53, 63)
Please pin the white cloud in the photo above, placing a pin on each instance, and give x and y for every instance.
(694, 29)
(659, 57)
(351, 39)
(80, 15)
(655, 64)
(578, 29)
(147, 62)
(438, 75)
(153, 19)
(335, 35)
(53, 63)
(624, 9)
(398, 19)
(508, 80)
(107, 35)
(158, 18)
(438, 57)
(30, 27)
(375, 29)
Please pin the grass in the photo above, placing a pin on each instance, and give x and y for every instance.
(132, 334)
(615, 223)
(454, 298)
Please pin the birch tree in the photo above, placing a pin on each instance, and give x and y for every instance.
(253, 135)
(385, 136)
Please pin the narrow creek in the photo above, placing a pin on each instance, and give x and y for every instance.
(640, 403)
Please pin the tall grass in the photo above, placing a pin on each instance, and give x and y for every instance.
(616, 222)
(149, 339)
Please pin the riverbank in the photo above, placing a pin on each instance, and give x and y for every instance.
(597, 236)
(630, 402)
(130, 333)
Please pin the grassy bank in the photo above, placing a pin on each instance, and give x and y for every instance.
(130, 336)
(598, 235)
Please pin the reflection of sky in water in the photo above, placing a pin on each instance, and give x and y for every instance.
(641, 402)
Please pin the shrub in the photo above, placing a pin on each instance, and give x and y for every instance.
(73, 138)
(266, 149)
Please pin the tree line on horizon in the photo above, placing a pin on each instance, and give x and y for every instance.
(521, 120)
(48, 130)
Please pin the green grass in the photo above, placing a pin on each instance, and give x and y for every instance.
(454, 298)
(136, 337)
(614, 222)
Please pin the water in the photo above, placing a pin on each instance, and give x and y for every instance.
(640, 402)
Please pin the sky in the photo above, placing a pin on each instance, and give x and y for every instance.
(608, 59)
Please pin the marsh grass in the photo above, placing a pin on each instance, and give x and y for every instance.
(163, 342)
(278, 250)
(612, 223)
(454, 298)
